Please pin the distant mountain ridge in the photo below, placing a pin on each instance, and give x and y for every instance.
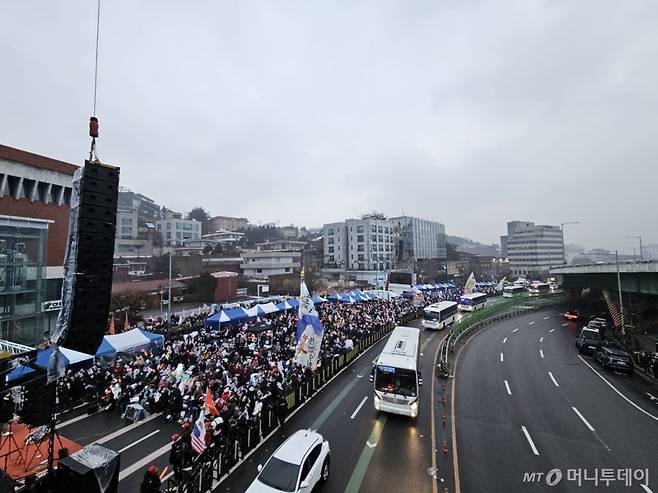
(471, 246)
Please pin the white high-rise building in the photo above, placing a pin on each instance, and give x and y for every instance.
(420, 238)
(532, 248)
(366, 244)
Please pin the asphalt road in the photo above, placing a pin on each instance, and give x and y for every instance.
(369, 453)
(525, 402)
(398, 459)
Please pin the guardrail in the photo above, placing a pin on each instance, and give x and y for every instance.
(449, 343)
(223, 456)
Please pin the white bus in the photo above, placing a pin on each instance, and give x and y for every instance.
(396, 376)
(513, 291)
(471, 302)
(439, 315)
(539, 288)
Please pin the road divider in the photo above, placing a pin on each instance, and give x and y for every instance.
(361, 467)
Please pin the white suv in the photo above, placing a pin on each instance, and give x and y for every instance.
(298, 465)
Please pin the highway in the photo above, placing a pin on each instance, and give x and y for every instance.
(526, 402)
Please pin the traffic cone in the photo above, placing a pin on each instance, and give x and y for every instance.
(444, 419)
(445, 446)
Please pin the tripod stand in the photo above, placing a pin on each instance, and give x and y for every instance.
(9, 441)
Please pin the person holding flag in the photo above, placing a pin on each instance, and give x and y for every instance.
(210, 403)
(309, 329)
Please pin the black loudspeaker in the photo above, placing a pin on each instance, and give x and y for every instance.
(37, 403)
(96, 227)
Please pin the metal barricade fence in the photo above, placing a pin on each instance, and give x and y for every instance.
(216, 462)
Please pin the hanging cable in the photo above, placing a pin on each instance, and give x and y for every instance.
(93, 121)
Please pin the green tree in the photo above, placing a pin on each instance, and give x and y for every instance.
(201, 215)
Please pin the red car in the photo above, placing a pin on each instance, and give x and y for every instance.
(571, 315)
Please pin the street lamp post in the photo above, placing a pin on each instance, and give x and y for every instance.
(169, 293)
(562, 225)
(638, 237)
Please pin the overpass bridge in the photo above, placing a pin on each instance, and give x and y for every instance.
(638, 281)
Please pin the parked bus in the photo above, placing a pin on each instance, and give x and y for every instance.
(539, 288)
(439, 315)
(471, 302)
(396, 374)
(513, 291)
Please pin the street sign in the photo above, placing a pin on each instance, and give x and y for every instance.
(51, 306)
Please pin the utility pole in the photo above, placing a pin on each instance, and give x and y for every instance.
(169, 293)
(638, 237)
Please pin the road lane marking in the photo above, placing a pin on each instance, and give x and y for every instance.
(71, 421)
(530, 323)
(126, 429)
(551, 331)
(591, 428)
(319, 421)
(541, 339)
(509, 392)
(546, 318)
(501, 357)
(564, 325)
(646, 488)
(359, 407)
(553, 378)
(427, 341)
(366, 455)
(618, 392)
(515, 330)
(504, 340)
(532, 444)
(541, 353)
(138, 441)
(144, 461)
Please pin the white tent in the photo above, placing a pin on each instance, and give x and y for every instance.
(267, 308)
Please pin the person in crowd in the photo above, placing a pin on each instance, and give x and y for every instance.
(151, 482)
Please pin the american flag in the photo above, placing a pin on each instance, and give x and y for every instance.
(199, 434)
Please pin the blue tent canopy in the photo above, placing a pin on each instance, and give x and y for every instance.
(357, 296)
(19, 372)
(284, 305)
(334, 297)
(236, 314)
(68, 356)
(218, 318)
(316, 299)
(105, 349)
(294, 303)
(157, 339)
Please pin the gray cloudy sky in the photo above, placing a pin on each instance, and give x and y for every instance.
(470, 113)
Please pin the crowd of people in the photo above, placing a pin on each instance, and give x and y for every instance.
(246, 368)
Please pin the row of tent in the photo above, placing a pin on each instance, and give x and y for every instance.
(242, 314)
(125, 343)
(432, 287)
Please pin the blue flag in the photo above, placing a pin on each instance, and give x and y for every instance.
(309, 330)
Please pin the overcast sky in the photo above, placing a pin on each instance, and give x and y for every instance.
(469, 113)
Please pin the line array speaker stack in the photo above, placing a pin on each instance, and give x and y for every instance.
(96, 215)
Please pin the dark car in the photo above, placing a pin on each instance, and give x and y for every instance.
(615, 359)
(589, 340)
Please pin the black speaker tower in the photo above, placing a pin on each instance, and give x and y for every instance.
(92, 283)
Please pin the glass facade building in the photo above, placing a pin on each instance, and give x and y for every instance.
(23, 249)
